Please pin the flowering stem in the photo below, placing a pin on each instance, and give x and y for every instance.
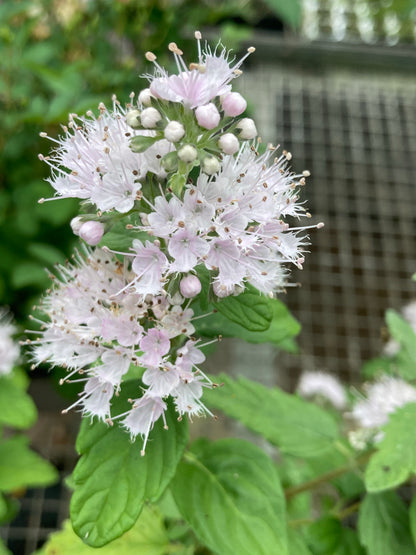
(328, 476)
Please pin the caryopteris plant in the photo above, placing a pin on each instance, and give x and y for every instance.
(189, 227)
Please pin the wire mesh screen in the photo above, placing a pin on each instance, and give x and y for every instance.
(43, 510)
(356, 133)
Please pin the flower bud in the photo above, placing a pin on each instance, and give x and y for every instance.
(133, 118)
(145, 97)
(150, 117)
(207, 116)
(76, 224)
(234, 104)
(247, 129)
(229, 143)
(190, 286)
(188, 154)
(174, 131)
(92, 232)
(170, 161)
(210, 165)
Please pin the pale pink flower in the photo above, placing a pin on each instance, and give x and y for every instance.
(208, 78)
(142, 416)
(161, 381)
(187, 249)
(154, 345)
(149, 265)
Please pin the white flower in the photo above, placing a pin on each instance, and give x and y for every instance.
(97, 328)
(93, 160)
(9, 350)
(383, 397)
(197, 86)
(321, 383)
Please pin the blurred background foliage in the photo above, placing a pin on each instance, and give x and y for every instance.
(61, 56)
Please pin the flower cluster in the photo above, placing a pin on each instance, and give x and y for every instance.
(383, 397)
(9, 351)
(181, 169)
(322, 384)
(99, 330)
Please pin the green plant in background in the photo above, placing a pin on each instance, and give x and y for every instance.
(20, 467)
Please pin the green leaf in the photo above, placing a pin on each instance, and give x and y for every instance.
(113, 481)
(377, 366)
(324, 535)
(147, 537)
(403, 333)
(294, 425)
(20, 467)
(383, 525)
(47, 254)
(396, 457)
(176, 183)
(230, 494)
(3, 549)
(282, 327)
(290, 11)
(16, 407)
(349, 544)
(140, 143)
(251, 311)
(29, 273)
(297, 545)
(412, 517)
(8, 508)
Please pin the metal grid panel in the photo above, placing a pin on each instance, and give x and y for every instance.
(43, 510)
(367, 21)
(356, 133)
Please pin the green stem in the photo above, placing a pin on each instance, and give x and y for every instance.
(348, 511)
(328, 476)
(344, 513)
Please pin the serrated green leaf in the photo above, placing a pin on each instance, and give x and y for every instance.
(289, 11)
(147, 537)
(230, 494)
(16, 407)
(383, 525)
(296, 426)
(21, 467)
(113, 481)
(395, 459)
(250, 311)
(282, 327)
(403, 333)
